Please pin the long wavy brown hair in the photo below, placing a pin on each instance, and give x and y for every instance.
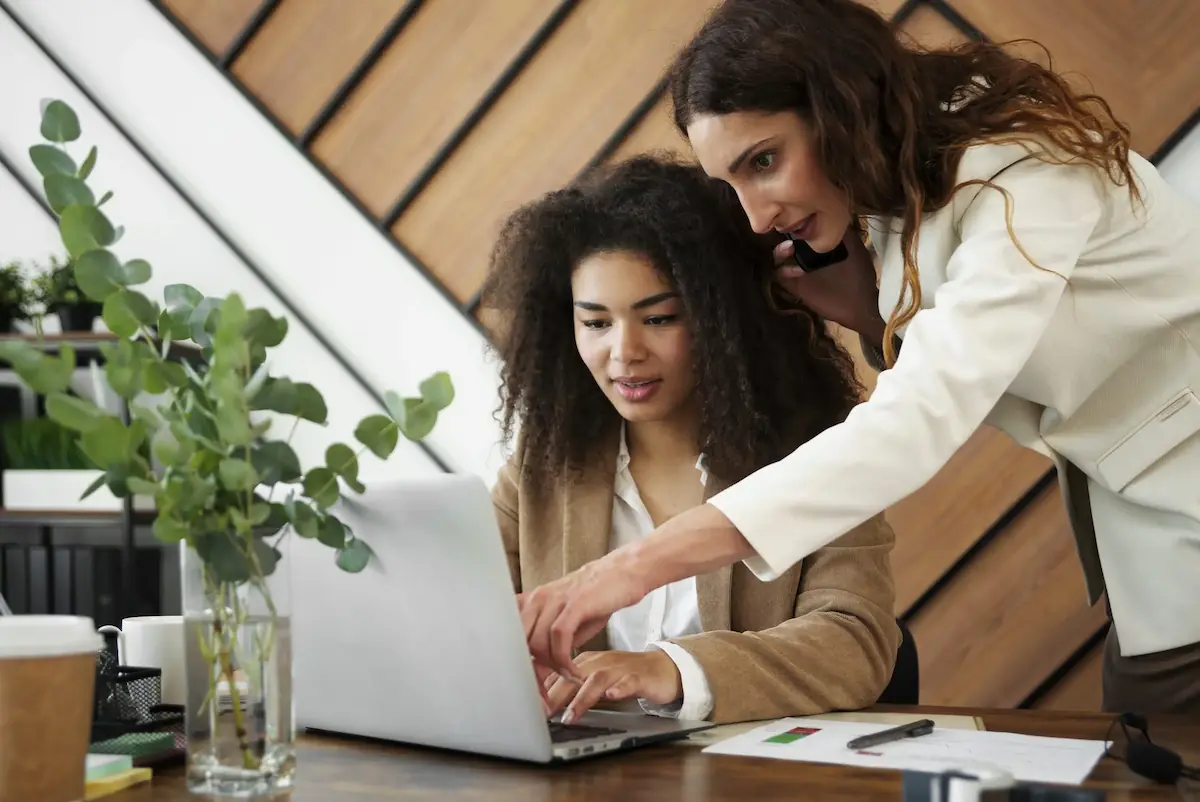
(768, 375)
(891, 120)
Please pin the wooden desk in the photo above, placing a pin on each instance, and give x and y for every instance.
(331, 770)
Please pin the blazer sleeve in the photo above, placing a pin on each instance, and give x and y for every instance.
(506, 502)
(960, 355)
(837, 653)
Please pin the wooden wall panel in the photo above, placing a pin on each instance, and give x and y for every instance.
(1081, 688)
(422, 88)
(305, 50)
(940, 522)
(544, 129)
(929, 28)
(655, 132)
(1010, 617)
(216, 23)
(1140, 56)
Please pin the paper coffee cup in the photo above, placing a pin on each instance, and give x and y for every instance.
(47, 687)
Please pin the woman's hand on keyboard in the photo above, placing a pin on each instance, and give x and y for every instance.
(613, 676)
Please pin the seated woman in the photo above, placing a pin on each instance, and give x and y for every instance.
(648, 363)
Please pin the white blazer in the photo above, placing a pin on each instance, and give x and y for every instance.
(1092, 360)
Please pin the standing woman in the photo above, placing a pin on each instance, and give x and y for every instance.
(1035, 274)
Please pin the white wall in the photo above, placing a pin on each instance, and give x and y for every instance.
(26, 232)
(320, 253)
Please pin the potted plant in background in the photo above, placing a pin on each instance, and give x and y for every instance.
(15, 296)
(45, 469)
(58, 292)
(224, 486)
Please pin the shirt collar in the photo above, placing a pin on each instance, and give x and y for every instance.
(623, 460)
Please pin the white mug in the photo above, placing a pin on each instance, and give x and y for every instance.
(155, 641)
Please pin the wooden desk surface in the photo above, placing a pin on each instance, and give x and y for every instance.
(334, 769)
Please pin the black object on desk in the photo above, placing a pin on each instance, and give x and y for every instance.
(913, 729)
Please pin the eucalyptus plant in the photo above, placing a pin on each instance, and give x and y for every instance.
(214, 468)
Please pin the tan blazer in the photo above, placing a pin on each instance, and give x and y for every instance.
(822, 637)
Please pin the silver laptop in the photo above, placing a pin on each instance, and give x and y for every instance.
(426, 645)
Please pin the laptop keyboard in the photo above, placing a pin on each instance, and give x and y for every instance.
(562, 733)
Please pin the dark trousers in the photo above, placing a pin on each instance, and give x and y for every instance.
(1161, 682)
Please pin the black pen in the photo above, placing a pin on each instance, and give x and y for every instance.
(914, 729)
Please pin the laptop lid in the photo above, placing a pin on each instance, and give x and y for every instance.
(425, 646)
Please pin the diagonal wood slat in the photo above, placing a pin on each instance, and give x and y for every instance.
(1010, 617)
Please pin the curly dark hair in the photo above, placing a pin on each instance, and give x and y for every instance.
(890, 120)
(768, 374)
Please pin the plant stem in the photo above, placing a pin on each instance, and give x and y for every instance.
(225, 636)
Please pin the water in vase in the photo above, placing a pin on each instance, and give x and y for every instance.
(241, 735)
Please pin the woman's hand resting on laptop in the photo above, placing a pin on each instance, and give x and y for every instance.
(613, 676)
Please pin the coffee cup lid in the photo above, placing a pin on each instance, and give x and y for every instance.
(47, 636)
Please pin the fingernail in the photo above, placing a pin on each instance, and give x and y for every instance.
(788, 245)
(568, 716)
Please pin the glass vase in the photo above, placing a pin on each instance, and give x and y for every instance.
(238, 656)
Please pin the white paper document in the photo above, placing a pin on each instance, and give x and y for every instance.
(1027, 758)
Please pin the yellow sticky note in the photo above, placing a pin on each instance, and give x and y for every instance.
(117, 782)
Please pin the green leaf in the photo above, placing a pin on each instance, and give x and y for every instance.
(125, 312)
(199, 320)
(142, 487)
(237, 475)
(414, 416)
(136, 271)
(108, 443)
(354, 557)
(94, 486)
(262, 329)
(98, 273)
(74, 413)
(259, 513)
(123, 368)
(224, 553)
(64, 190)
(171, 327)
(310, 405)
(240, 522)
(105, 198)
(333, 532)
(50, 160)
(276, 519)
(340, 459)
(146, 414)
(268, 557)
(321, 486)
(161, 376)
(276, 462)
(233, 424)
(275, 395)
(44, 373)
(169, 529)
(183, 296)
(304, 520)
(379, 433)
(166, 448)
(59, 123)
(89, 162)
(84, 228)
(438, 391)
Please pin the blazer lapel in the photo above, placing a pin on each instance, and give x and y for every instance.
(587, 516)
(713, 590)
